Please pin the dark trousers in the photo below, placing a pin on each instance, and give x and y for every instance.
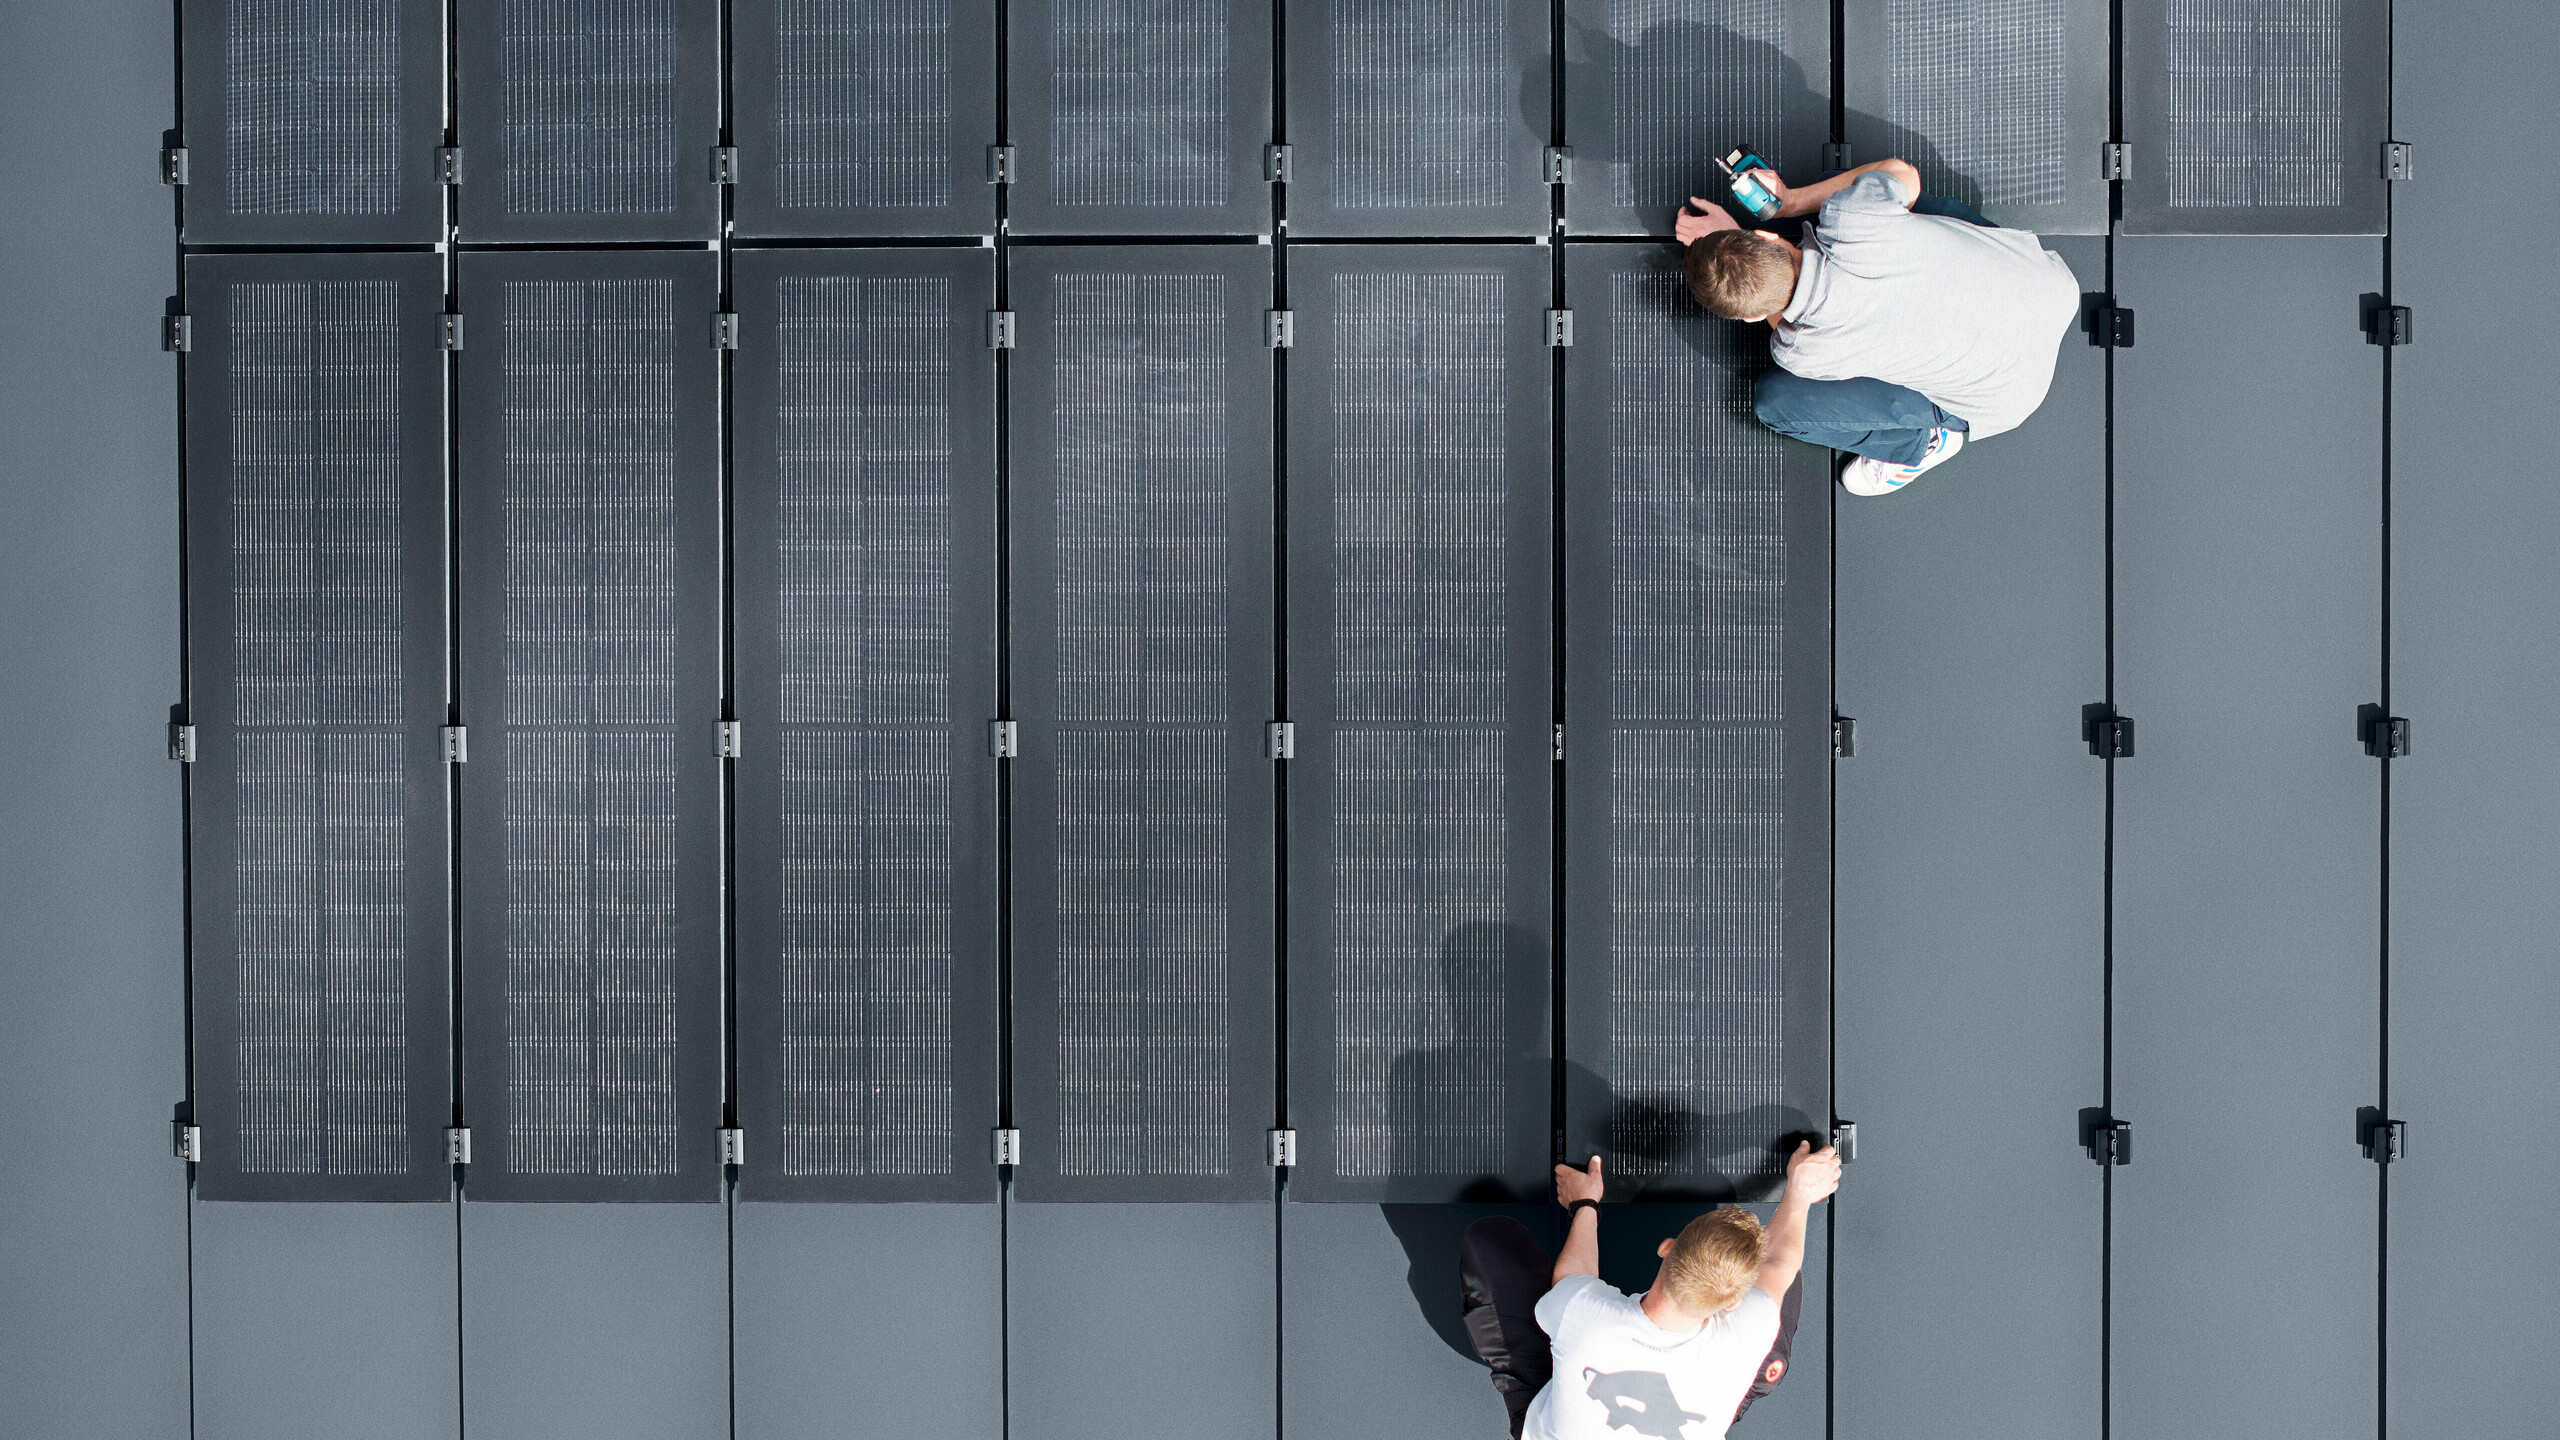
(1502, 1270)
(1885, 422)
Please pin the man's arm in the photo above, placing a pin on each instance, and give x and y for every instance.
(1811, 1176)
(1581, 1252)
(1701, 218)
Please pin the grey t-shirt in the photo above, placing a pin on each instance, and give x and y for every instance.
(1968, 316)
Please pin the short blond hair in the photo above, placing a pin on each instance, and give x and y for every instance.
(1739, 274)
(1715, 1259)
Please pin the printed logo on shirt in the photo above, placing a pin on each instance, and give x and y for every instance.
(1639, 1400)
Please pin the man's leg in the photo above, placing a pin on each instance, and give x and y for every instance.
(1885, 422)
(1502, 1270)
(1774, 1368)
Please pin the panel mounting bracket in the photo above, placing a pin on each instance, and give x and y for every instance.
(1559, 164)
(725, 330)
(1556, 748)
(733, 1147)
(724, 164)
(1280, 740)
(2382, 1139)
(1844, 737)
(1844, 1138)
(449, 165)
(2399, 160)
(457, 1145)
(1276, 164)
(1280, 1147)
(1008, 1147)
(457, 744)
(1004, 739)
(449, 334)
(2115, 162)
(1559, 328)
(999, 329)
(733, 739)
(182, 744)
(2387, 324)
(2109, 734)
(177, 333)
(2109, 325)
(2108, 1140)
(188, 1143)
(1000, 160)
(173, 165)
(1279, 329)
(2384, 736)
(1835, 155)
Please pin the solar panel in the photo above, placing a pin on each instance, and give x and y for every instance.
(2256, 116)
(864, 117)
(313, 121)
(1697, 783)
(867, 948)
(1420, 680)
(1656, 89)
(1139, 116)
(1142, 512)
(591, 829)
(315, 445)
(1420, 117)
(588, 119)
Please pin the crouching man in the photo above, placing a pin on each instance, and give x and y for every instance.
(1577, 1359)
(1904, 327)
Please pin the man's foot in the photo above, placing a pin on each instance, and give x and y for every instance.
(1877, 477)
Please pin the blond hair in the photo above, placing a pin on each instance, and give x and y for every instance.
(1739, 274)
(1715, 1259)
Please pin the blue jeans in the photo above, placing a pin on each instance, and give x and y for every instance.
(1883, 421)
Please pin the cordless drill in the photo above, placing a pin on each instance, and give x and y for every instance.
(1749, 193)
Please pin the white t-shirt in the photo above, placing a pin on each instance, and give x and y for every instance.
(1617, 1375)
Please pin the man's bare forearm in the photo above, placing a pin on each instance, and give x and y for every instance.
(1784, 1258)
(1581, 1252)
(1807, 199)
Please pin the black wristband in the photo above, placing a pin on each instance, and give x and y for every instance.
(1578, 1204)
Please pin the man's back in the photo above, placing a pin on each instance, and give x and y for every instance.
(1967, 315)
(1617, 1374)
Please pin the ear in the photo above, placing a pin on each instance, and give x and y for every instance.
(1755, 319)
(1663, 1250)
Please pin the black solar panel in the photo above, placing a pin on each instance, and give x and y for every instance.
(315, 447)
(313, 121)
(1697, 777)
(1134, 116)
(2256, 116)
(588, 119)
(1141, 525)
(866, 677)
(1419, 677)
(1655, 89)
(591, 820)
(864, 117)
(1418, 117)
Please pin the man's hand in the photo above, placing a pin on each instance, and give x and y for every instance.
(1696, 221)
(1572, 1184)
(1812, 1175)
(1778, 188)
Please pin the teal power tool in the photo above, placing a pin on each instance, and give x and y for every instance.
(1751, 194)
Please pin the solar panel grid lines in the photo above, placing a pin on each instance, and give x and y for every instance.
(1420, 90)
(2256, 102)
(1687, 81)
(590, 100)
(1987, 84)
(312, 112)
(862, 111)
(1139, 103)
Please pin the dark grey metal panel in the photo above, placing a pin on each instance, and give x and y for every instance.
(2473, 909)
(891, 1316)
(590, 828)
(2247, 590)
(864, 117)
(313, 122)
(1163, 1306)
(1655, 90)
(1418, 117)
(595, 1321)
(1141, 523)
(2256, 117)
(1697, 992)
(1421, 800)
(866, 674)
(1371, 1340)
(1972, 866)
(93, 1339)
(2002, 104)
(316, 511)
(1140, 116)
(588, 119)
(320, 1321)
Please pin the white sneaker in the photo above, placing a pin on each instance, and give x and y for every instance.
(1863, 476)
